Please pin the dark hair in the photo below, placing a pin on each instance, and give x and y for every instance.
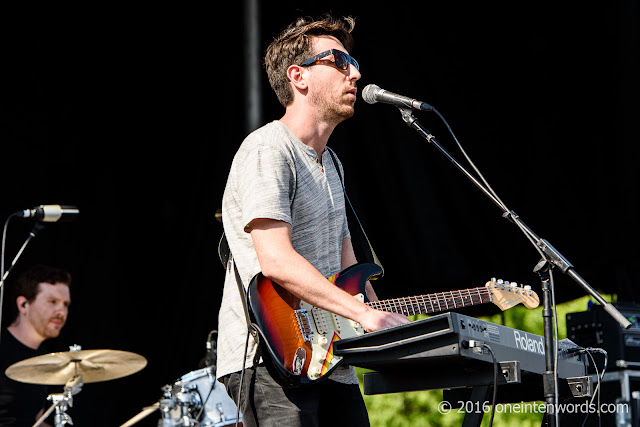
(26, 284)
(294, 45)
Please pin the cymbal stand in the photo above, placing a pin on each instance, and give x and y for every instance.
(62, 402)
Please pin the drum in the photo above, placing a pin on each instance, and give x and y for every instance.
(200, 398)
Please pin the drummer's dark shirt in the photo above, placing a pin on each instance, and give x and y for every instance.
(19, 402)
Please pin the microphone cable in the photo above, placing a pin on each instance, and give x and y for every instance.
(599, 377)
(516, 220)
(2, 256)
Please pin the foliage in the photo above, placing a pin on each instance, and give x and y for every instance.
(421, 408)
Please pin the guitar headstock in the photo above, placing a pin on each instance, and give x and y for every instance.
(506, 295)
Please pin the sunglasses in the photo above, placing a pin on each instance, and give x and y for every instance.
(341, 59)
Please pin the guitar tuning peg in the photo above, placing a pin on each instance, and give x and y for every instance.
(500, 281)
(527, 287)
(493, 279)
(506, 282)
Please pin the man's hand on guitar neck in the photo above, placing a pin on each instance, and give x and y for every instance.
(375, 320)
(372, 320)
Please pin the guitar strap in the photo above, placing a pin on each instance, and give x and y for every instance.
(225, 256)
(362, 246)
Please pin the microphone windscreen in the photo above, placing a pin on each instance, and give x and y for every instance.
(369, 93)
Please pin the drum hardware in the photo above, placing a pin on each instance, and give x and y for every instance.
(221, 417)
(73, 369)
(62, 402)
(190, 403)
(166, 405)
(194, 400)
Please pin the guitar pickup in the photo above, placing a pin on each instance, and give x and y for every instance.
(337, 322)
(306, 330)
(321, 319)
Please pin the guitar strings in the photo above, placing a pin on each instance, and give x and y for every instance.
(424, 304)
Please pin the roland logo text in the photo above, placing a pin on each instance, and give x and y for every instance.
(525, 342)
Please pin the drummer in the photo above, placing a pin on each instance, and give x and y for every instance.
(38, 308)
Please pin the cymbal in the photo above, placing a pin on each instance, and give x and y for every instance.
(93, 365)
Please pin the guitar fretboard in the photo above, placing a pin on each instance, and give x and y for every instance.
(434, 303)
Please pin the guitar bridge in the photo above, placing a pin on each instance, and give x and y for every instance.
(306, 330)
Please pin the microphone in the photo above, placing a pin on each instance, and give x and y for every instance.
(211, 357)
(372, 94)
(51, 213)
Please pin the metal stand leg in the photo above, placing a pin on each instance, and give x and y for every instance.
(62, 402)
(479, 395)
(548, 378)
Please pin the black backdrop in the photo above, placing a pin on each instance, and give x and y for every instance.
(134, 115)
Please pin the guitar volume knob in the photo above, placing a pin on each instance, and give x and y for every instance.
(322, 340)
(314, 372)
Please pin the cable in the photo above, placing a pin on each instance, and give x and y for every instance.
(599, 377)
(507, 212)
(495, 382)
(476, 344)
(484, 181)
(244, 368)
(204, 403)
(2, 256)
(596, 391)
(252, 330)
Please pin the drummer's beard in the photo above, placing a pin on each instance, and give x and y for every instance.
(48, 327)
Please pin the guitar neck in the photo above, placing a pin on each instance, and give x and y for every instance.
(434, 303)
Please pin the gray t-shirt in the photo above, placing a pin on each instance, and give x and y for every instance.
(275, 175)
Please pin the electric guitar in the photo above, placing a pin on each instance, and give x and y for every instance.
(299, 337)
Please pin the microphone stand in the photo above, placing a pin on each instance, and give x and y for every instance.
(36, 228)
(550, 258)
